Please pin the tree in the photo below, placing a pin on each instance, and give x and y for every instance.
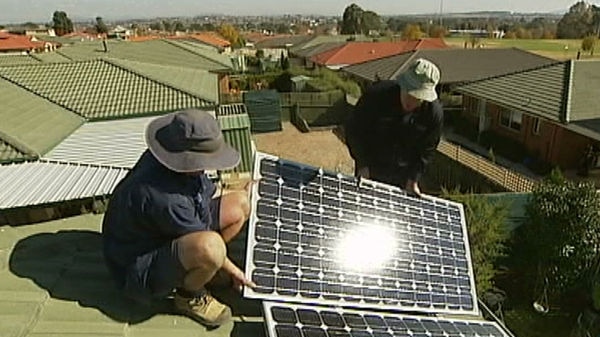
(560, 238)
(576, 23)
(231, 34)
(352, 20)
(588, 43)
(61, 23)
(411, 32)
(371, 21)
(486, 227)
(100, 26)
(179, 27)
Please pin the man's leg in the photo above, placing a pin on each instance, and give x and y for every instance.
(201, 254)
(233, 213)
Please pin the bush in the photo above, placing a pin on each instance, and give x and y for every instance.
(560, 238)
(486, 226)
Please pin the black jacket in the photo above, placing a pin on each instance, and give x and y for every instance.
(381, 136)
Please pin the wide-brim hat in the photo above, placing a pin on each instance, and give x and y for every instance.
(420, 79)
(190, 141)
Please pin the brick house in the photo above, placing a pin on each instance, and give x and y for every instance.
(552, 111)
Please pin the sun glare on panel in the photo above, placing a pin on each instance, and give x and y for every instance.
(367, 248)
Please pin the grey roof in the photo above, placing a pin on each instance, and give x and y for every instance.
(317, 49)
(30, 125)
(564, 92)
(539, 92)
(456, 65)
(100, 89)
(154, 51)
(320, 39)
(116, 143)
(42, 182)
(282, 41)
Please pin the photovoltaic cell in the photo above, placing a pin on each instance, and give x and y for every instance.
(291, 320)
(313, 236)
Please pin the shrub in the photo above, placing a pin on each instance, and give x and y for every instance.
(560, 238)
(486, 226)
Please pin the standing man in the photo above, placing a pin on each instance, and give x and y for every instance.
(396, 127)
(166, 226)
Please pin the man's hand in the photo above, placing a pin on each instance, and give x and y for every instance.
(237, 276)
(412, 187)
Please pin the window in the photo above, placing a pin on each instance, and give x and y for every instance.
(511, 119)
(535, 128)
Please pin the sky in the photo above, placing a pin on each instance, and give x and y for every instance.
(18, 11)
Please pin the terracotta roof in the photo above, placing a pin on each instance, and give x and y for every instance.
(357, 52)
(10, 42)
(212, 39)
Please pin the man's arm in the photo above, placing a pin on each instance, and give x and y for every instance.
(425, 148)
(359, 127)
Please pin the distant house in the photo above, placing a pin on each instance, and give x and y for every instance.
(357, 52)
(457, 65)
(16, 44)
(551, 110)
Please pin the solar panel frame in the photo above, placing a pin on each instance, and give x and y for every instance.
(264, 252)
(338, 321)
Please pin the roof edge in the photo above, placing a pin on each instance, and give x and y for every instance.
(565, 115)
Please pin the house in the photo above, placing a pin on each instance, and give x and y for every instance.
(457, 66)
(354, 52)
(551, 110)
(16, 44)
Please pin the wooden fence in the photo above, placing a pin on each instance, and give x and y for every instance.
(504, 177)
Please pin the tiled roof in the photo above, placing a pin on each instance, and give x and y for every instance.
(41, 182)
(357, 52)
(50, 57)
(457, 65)
(198, 82)
(31, 125)
(9, 153)
(116, 143)
(100, 89)
(200, 49)
(318, 49)
(154, 51)
(320, 39)
(282, 41)
(12, 59)
(539, 91)
(212, 39)
(14, 42)
(563, 92)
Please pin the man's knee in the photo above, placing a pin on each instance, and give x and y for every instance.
(202, 249)
(238, 207)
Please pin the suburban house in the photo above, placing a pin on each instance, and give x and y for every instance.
(457, 65)
(358, 52)
(18, 44)
(551, 110)
(73, 121)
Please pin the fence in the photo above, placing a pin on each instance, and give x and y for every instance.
(504, 177)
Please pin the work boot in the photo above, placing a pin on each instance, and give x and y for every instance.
(203, 308)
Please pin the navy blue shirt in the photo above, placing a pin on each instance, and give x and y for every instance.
(388, 140)
(149, 208)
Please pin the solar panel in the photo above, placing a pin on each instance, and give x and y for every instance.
(322, 237)
(290, 320)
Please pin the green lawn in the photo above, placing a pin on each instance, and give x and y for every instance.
(555, 48)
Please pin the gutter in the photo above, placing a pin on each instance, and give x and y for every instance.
(565, 116)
